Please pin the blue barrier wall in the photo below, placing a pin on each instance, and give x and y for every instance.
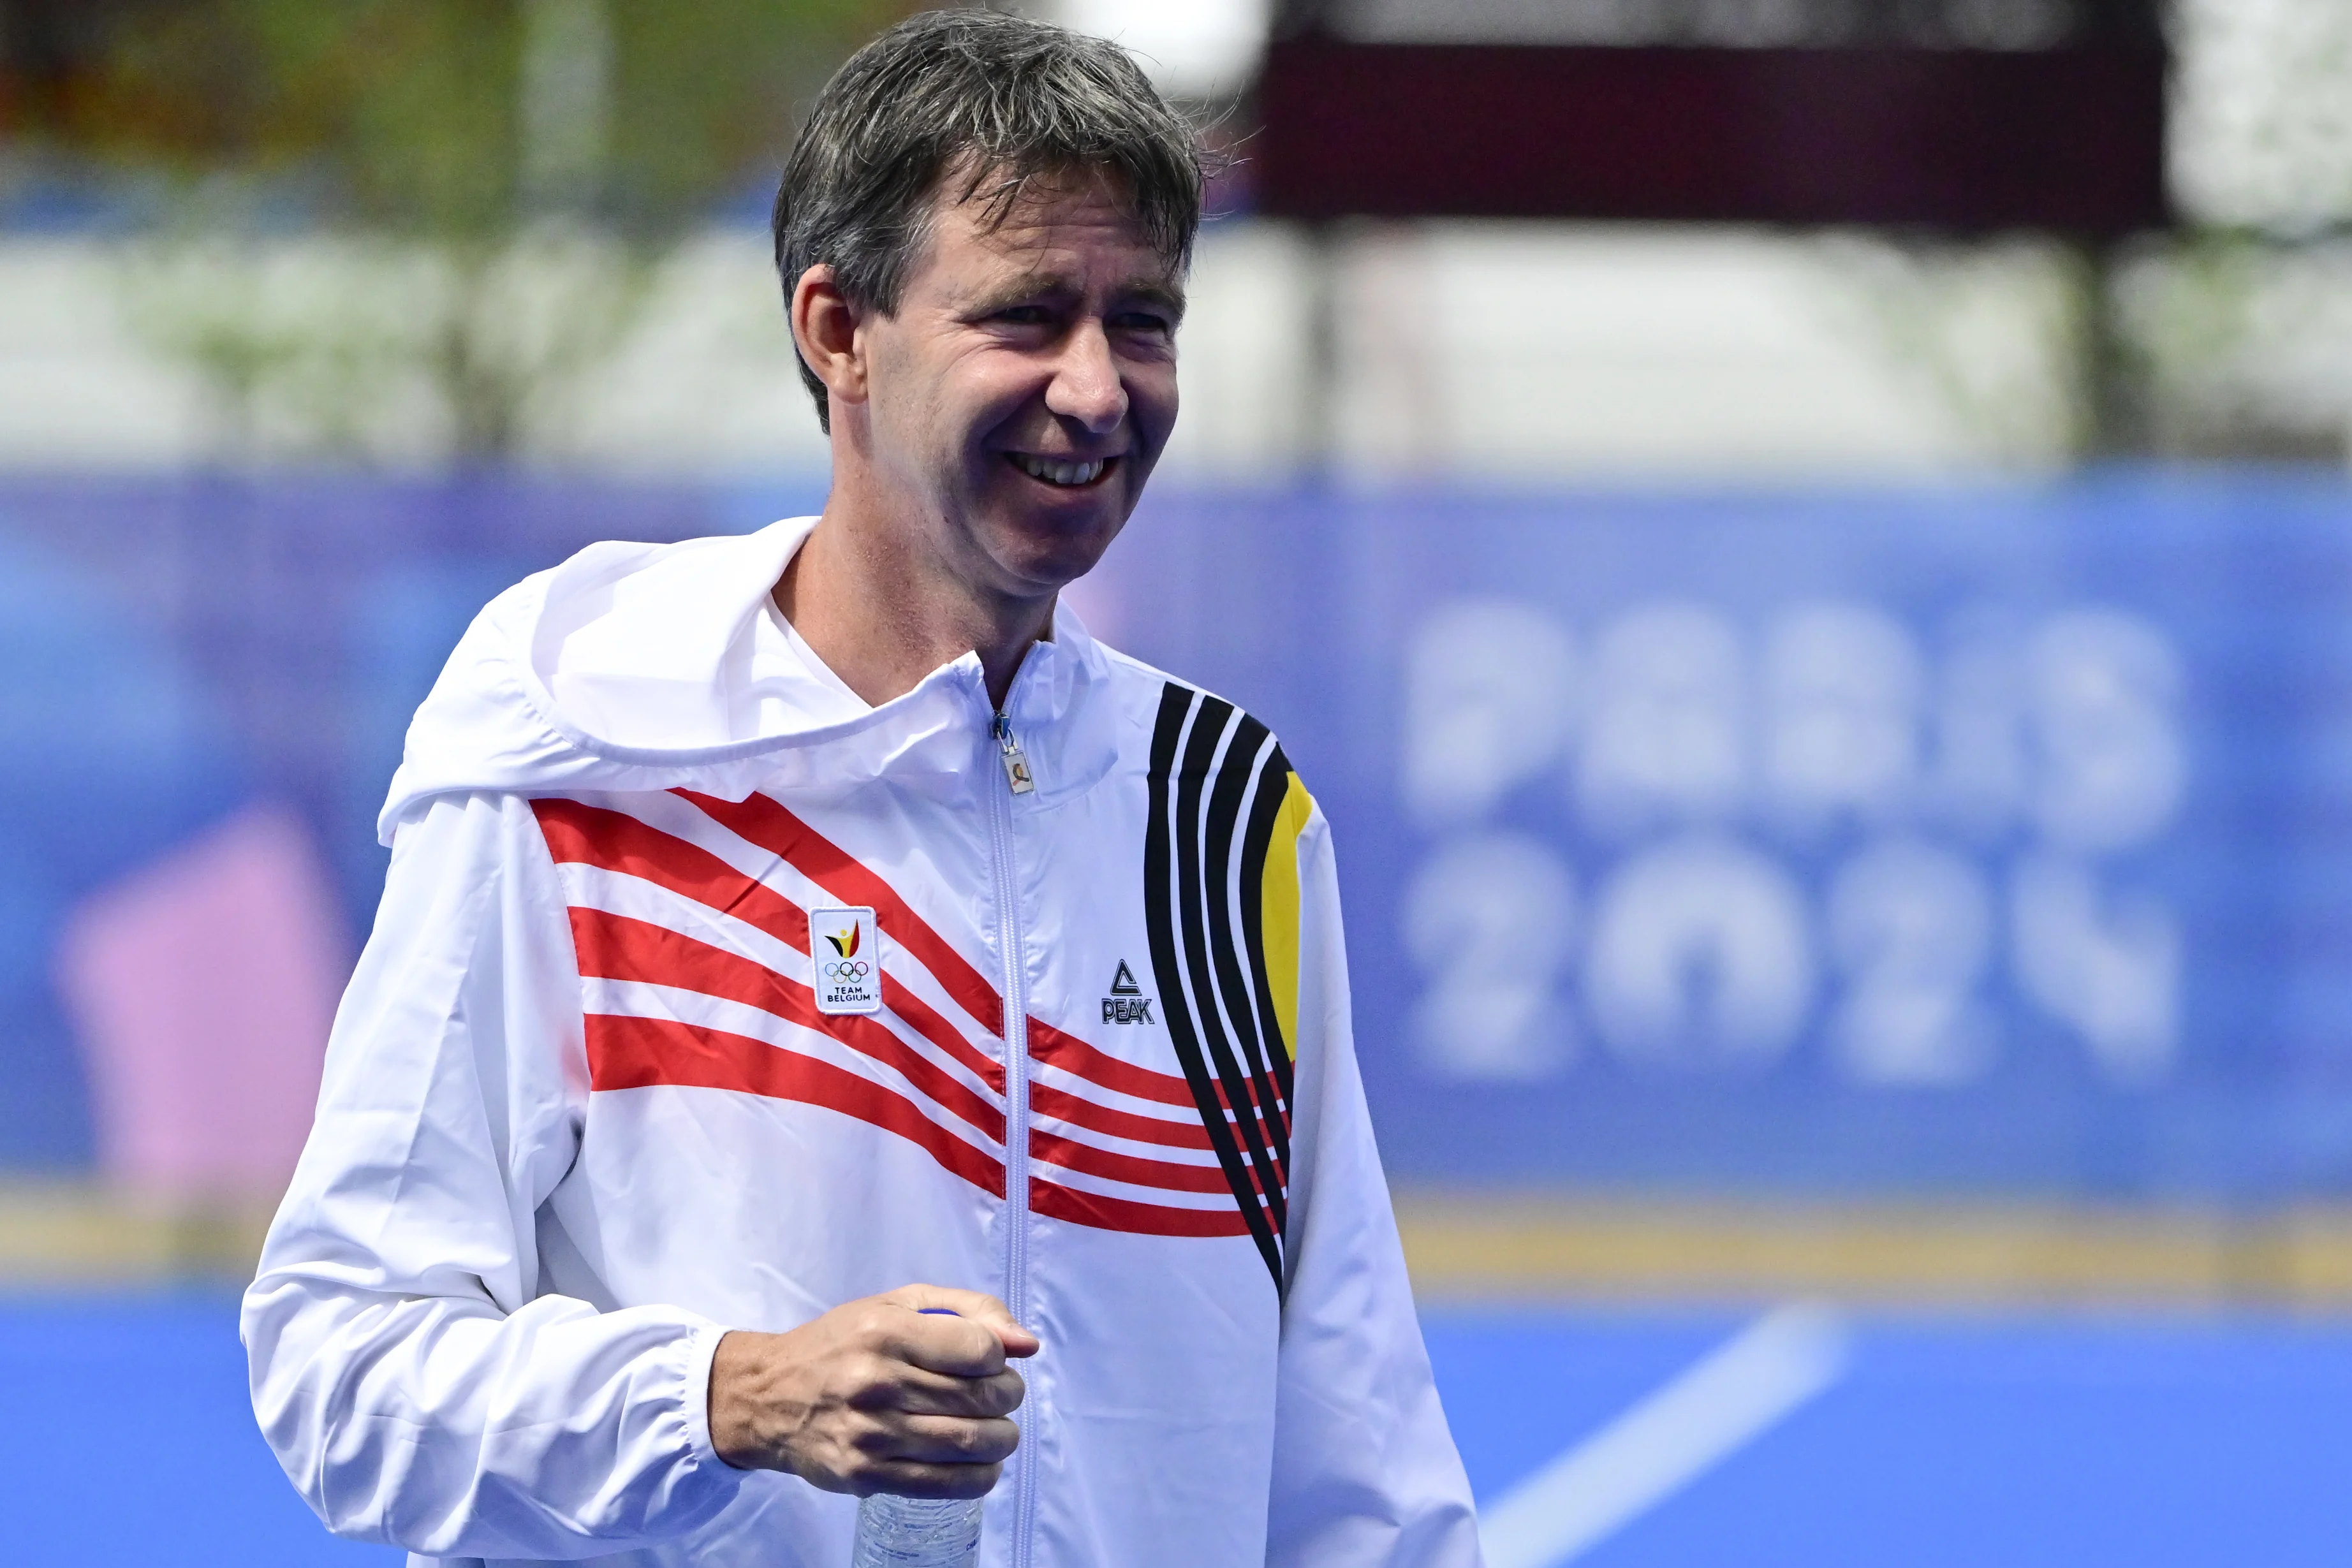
(1958, 841)
(171, 649)
(1983, 840)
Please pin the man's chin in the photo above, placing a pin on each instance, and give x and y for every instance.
(1050, 546)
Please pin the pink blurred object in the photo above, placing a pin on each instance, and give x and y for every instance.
(203, 986)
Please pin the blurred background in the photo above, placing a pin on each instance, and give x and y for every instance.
(1804, 545)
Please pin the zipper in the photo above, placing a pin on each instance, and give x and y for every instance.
(1015, 760)
(1017, 781)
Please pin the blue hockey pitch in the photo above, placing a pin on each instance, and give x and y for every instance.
(1985, 1441)
(1946, 1442)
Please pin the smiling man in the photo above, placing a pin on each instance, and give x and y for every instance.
(815, 975)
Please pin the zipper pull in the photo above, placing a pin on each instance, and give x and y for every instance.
(1016, 762)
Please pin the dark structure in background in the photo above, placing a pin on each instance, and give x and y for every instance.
(1936, 116)
(1912, 23)
(1968, 141)
(48, 51)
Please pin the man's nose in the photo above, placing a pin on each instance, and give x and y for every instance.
(1086, 387)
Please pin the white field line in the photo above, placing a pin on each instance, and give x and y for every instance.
(1668, 1440)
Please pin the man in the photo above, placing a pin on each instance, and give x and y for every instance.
(773, 920)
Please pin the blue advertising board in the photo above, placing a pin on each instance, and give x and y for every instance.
(1974, 840)
(176, 650)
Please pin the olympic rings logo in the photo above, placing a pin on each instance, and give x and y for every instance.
(854, 969)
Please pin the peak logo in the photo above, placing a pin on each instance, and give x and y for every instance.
(848, 978)
(1127, 1003)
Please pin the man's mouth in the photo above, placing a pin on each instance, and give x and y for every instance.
(1060, 473)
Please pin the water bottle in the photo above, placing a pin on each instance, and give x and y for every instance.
(917, 1532)
(896, 1532)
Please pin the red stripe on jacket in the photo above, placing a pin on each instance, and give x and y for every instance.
(1092, 1209)
(616, 947)
(616, 841)
(1046, 1100)
(763, 820)
(637, 1052)
(1132, 1169)
(1077, 1058)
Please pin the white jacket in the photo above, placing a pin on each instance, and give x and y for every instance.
(590, 1102)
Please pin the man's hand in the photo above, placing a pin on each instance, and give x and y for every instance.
(876, 1395)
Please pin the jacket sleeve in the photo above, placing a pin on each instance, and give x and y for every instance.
(1365, 1471)
(417, 1386)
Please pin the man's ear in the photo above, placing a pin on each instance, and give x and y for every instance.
(825, 329)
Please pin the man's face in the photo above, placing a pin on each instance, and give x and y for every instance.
(1026, 384)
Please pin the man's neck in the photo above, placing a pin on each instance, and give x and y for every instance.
(882, 613)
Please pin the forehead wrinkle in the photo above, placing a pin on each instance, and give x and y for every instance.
(1016, 198)
(1024, 213)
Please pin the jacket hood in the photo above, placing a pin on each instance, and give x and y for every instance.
(646, 643)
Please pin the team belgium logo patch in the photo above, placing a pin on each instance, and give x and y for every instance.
(1127, 1003)
(848, 956)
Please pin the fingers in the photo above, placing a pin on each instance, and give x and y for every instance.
(911, 1479)
(919, 1392)
(955, 1347)
(933, 1456)
(876, 1395)
(947, 1440)
(985, 1310)
(929, 1456)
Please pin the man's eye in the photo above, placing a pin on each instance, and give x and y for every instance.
(1142, 322)
(1023, 315)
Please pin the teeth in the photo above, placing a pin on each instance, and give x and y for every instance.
(1054, 473)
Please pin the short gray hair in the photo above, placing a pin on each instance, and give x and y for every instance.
(996, 101)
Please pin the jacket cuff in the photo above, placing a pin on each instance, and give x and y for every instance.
(701, 1485)
(694, 1400)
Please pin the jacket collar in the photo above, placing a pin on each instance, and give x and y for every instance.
(646, 636)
